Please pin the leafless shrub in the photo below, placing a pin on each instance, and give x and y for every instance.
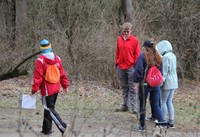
(176, 21)
(84, 33)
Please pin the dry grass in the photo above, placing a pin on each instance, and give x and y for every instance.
(89, 108)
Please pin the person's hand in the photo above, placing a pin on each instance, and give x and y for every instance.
(65, 91)
(32, 93)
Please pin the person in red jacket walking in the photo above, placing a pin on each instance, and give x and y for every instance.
(127, 53)
(49, 91)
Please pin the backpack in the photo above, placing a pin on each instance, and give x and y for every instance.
(154, 77)
(52, 74)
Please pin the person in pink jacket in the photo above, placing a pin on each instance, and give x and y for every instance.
(49, 91)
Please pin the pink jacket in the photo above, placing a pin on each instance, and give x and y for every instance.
(46, 88)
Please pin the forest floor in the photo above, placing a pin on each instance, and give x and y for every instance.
(89, 109)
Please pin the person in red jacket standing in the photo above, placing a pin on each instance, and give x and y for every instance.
(127, 53)
(49, 91)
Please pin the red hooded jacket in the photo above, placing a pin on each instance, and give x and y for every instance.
(127, 52)
(46, 88)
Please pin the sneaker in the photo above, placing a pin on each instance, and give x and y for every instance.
(151, 119)
(138, 128)
(122, 109)
(47, 133)
(155, 121)
(171, 126)
(64, 134)
(134, 112)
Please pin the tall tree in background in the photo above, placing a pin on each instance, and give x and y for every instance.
(21, 11)
(126, 14)
(126, 11)
(10, 17)
(15, 16)
(85, 32)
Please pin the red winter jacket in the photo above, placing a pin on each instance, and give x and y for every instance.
(127, 52)
(46, 88)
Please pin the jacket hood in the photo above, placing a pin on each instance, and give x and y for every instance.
(50, 61)
(50, 58)
(164, 46)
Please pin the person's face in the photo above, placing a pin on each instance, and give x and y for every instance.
(126, 32)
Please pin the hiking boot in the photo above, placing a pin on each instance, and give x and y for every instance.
(138, 128)
(122, 109)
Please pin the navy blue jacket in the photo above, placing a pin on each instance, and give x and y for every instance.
(140, 68)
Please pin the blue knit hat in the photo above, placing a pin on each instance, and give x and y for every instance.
(45, 46)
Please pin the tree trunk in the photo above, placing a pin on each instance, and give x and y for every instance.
(21, 11)
(126, 11)
(126, 14)
(10, 17)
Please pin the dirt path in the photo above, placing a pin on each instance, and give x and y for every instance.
(30, 127)
(89, 109)
(5, 132)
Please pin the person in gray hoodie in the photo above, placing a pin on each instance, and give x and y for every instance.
(170, 80)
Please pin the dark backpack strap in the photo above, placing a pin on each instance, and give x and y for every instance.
(145, 73)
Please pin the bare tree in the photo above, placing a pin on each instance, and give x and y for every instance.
(10, 17)
(84, 32)
(21, 16)
(126, 11)
(126, 14)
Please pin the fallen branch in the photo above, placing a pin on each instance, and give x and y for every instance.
(16, 72)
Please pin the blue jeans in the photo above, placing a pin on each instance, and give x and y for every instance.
(167, 105)
(151, 105)
(128, 87)
(155, 99)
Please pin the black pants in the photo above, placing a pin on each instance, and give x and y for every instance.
(142, 97)
(50, 114)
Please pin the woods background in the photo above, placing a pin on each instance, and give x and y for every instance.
(84, 32)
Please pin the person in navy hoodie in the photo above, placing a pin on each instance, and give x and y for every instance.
(147, 58)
